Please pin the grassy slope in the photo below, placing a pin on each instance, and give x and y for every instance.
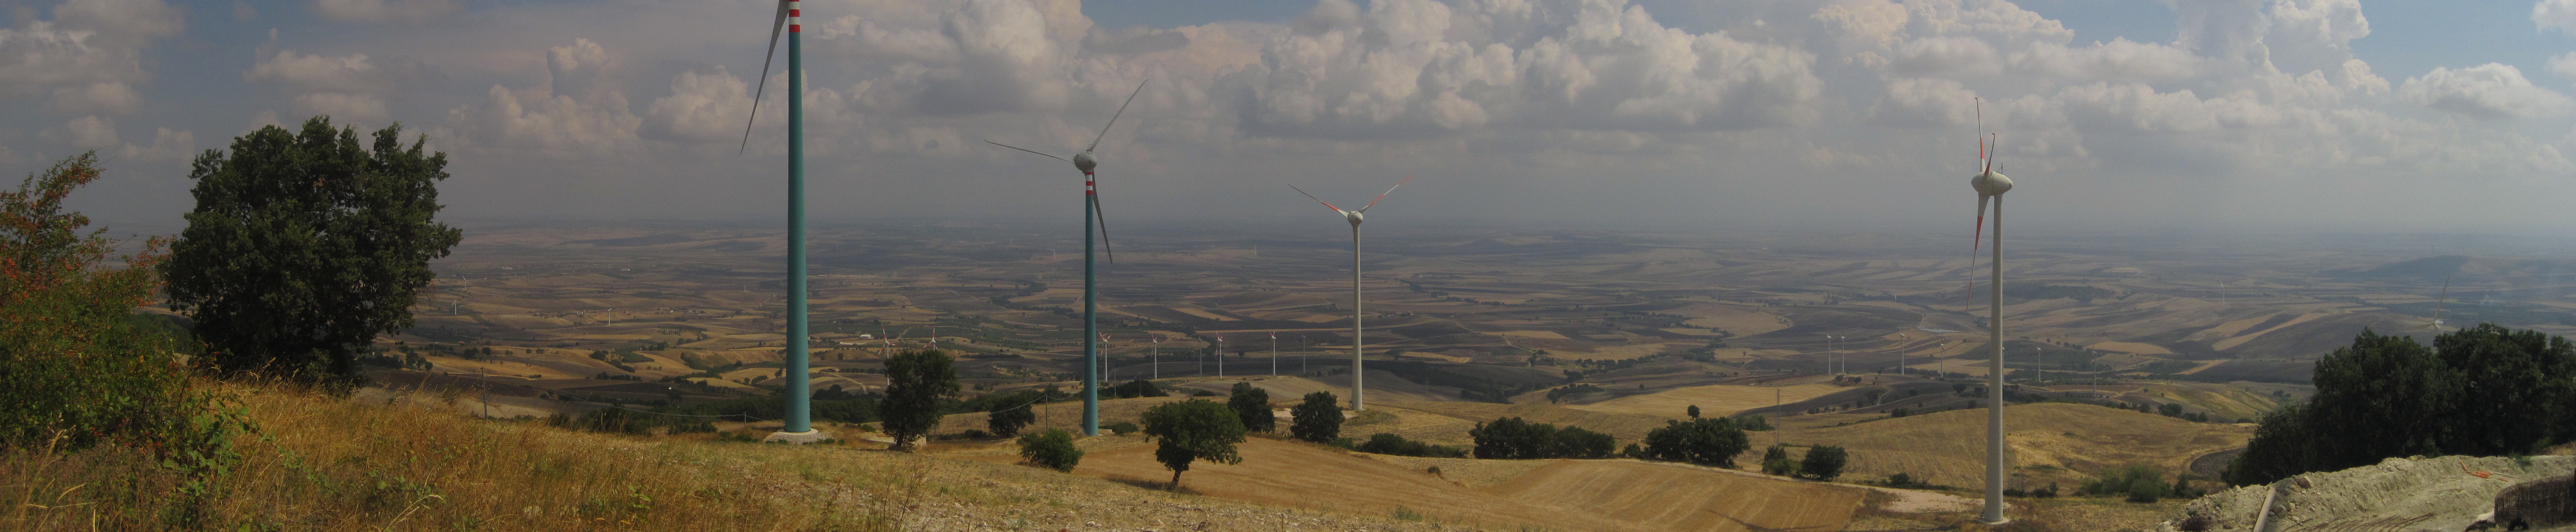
(2049, 442)
(329, 464)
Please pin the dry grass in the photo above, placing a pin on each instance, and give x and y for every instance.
(321, 463)
(1713, 401)
(2047, 442)
(1680, 497)
(1300, 475)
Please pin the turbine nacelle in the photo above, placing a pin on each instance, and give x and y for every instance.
(1990, 183)
(1084, 161)
(1353, 216)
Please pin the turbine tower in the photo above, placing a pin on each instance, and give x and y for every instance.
(1354, 217)
(799, 423)
(1991, 185)
(1085, 161)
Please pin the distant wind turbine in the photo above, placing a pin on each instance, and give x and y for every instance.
(1085, 161)
(1991, 185)
(1357, 297)
(2437, 304)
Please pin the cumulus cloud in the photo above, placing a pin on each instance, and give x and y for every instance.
(106, 97)
(167, 145)
(2489, 91)
(87, 42)
(573, 115)
(92, 132)
(2555, 15)
(385, 10)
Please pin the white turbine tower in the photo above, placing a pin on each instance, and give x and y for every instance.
(1992, 186)
(1354, 217)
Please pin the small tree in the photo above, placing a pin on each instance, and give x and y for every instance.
(1253, 405)
(915, 382)
(1016, 410)
(1051, 449)
(1694, 411)
(1512, 438)
(1574, 442)
(1318, 419)
(1823, 462)
(1776, 462)
(1196, 429)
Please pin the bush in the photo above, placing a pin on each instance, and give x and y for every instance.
(1824, 462)
(1318, 419)
(1120, 428)
(1384, 443)
(1017, 410)
(2139, 483)
(78, 367)
(915, 382)
(1051, 449)
(1706, 441)
(1775, 461)
(1253, 405)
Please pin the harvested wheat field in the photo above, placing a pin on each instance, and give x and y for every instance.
(1314, 477)
(1065, 415)
(2047, 442)
(1680, 497)
(1713, 400)
(1382, 386)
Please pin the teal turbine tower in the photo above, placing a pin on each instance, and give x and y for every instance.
(1084, 161)
(800, 396)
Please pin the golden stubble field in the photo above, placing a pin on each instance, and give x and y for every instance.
(2045, 442)
(1713, 400)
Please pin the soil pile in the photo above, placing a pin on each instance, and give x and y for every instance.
(2447, 493)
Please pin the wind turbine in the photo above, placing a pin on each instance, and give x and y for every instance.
(2437, 303)
(1085, 161)
(1991, 185)
(1356, 296)
(799, 423)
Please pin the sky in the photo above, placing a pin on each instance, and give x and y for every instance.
(2193, 116)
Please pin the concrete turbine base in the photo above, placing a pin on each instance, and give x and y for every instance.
(799, 438)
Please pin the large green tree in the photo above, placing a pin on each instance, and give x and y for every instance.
(2513, 387)
(306, 245)
(1318, 419)
(2484, 390)
(915, 383)
(1192, 430)
(1703, 441)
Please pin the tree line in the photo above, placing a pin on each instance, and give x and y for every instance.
(2480, 391)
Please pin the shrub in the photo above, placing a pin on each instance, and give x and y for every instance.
(1775, 461)
(1051, 449)
(1193, 430)
(1318, 419)
(1120, 428)
(2139, 483)
(1384, 443)
(915, 382)
(1823, 462)
(1017, 410)
(1252, 404)
(78, 367)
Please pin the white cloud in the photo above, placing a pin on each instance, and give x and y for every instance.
(557, 127)
(167, 145)
(106, 97)
(2555, 15)
(704, 108)
(87, 42)
(385, 10)
(352, 72)
(2490, 91)
(92, 132)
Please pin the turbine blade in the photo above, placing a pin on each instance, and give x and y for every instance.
(1026, 150)
(1103, 219)
(1113, 117)
(2437, 302)
(774, 28)
(1990, 159)
(1327, 204)
(1389, 190)
(1977, 239)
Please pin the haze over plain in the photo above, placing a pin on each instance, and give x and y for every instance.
(2196, 116)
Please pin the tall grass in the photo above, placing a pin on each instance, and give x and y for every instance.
(324, 463)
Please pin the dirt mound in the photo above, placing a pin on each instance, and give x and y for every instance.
(2396, 494)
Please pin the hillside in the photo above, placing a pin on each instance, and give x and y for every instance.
(333, 464)
(2048, 442)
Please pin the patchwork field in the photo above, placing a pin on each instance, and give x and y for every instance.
(1713, 401)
